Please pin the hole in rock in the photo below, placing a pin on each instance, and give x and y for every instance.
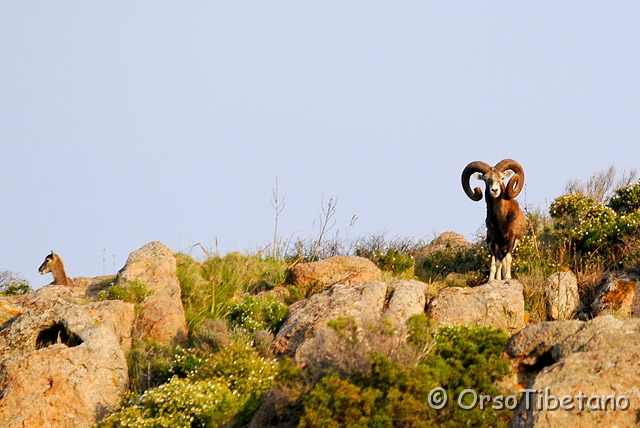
(527, 373)
(544, 360)
(57, 333)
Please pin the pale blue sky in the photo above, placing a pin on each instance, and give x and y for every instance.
(127, 122)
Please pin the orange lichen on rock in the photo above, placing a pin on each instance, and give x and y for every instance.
(617, 295)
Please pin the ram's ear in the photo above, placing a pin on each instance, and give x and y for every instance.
(478, 176)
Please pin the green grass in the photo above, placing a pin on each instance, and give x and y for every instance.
(211, 288)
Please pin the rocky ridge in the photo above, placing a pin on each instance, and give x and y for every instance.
(62, 361)
(62, 350)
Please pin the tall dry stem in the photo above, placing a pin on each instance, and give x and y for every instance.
(326, 217)
(278, 206)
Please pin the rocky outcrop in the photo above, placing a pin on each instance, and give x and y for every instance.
(8, 310)
(537, 340)
(316, 277)
(61, 349)
(618, 295)
(319, 328)
(59, 366)
(561, 291)
(585, 373)
(119, 316)
(445, 240)
(498, 304)
(161, 313)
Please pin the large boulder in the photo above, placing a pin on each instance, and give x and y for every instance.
(618, 295)
(537, 340)
(586, 377)
(59, 366)
(119, 316)
(563, 299)
(498, 304)
(316, 277)
(362, 317)
(161, 313)
(446, 240)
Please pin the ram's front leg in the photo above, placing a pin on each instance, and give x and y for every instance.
(494, 269)
(499, 268)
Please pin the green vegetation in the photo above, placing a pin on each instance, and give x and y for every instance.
(226, 367)
(211, 288)
(395, 256)
(472, 262)
(12, 284)
(253, 314)
(394, 260)
(394, 395)
(132, 292)
(204, 391)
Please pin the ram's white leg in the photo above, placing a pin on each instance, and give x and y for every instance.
(506, 266)
(493, 270)
(499, 269)
(508, 259)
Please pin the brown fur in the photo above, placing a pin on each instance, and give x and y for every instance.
(506, 224)
(53, 263)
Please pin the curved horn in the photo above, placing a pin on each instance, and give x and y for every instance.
(473, 167)
(516, 182)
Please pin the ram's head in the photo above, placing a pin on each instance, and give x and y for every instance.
(494, 179)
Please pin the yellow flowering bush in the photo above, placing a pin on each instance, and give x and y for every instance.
(254, 314)
(626, 200)
(223, 386)
(181, 402)
(596, 230)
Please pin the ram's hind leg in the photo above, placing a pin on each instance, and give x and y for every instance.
(506, 262)
(506, 266)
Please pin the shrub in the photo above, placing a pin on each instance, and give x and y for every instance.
(178, 403)
(149, 365)
(394, 256)
(473, 354)
(438, 264)
(185, 362)
(395, 395)
(596, 232)
(346, 327)
(421, 335)
(203, 391)
(132, 292)
(394, 261)
(337, 402)
(12, 284)
(254, 314)
(211, 335)
(244, 371)
(583, 222)
(626, 200)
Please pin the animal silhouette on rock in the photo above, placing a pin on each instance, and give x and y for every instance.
(53, 263)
